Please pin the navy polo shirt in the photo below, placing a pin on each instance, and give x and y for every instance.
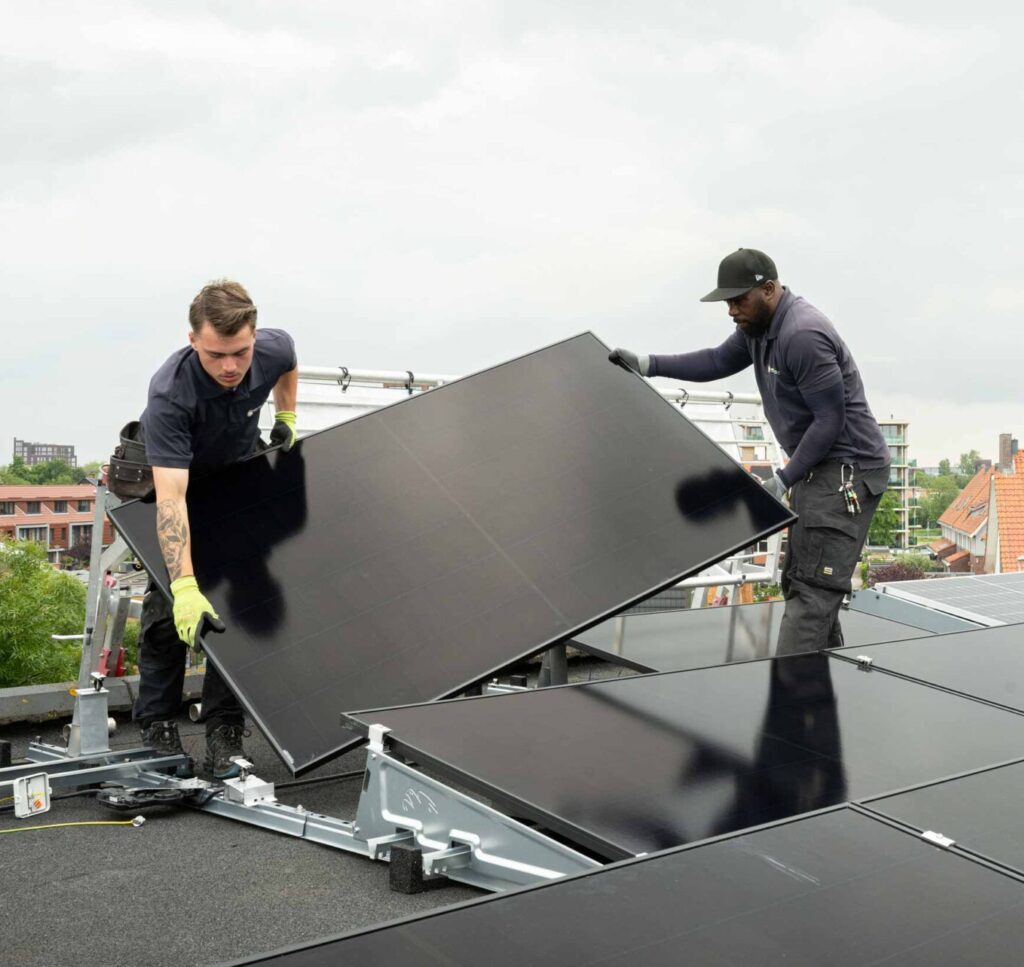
(191, 421)
(802, 353)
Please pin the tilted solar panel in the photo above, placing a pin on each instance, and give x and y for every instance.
(409, 553)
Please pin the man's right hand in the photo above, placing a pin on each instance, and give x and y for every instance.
(630, 360)
(190, 604)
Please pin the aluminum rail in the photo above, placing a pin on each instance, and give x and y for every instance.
(395, 378)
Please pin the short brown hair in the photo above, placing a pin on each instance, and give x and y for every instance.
(225, 305)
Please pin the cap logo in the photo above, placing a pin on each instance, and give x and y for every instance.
(758, 277)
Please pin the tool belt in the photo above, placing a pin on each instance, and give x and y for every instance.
(129, 475)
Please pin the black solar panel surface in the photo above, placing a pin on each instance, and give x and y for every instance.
(840, 889)
(695, 638)
(987, 664)
(640, 764)
(407, 554)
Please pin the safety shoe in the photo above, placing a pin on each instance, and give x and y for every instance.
(163, 737)
(222, 743)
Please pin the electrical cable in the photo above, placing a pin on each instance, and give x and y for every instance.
(318, 779)
(89, 822)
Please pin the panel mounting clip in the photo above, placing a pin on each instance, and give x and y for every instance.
(376, 735)
(864, 662)
(937, 839)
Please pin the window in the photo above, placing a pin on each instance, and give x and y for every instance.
(60, 506)
(753, 433)
(32, 507)
(81, 534)
(40, 535)
(6, 506)
(84, 505)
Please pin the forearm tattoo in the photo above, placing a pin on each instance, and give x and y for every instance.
(172, 532)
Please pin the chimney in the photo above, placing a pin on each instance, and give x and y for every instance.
(1005, 452)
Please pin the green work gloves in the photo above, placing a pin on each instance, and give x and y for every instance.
(284, 430)
(190, 605)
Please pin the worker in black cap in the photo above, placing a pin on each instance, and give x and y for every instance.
(814, 400)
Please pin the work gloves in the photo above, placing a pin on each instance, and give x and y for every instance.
(190, 605)
(776, 486)
(629, 360)
(284, 430)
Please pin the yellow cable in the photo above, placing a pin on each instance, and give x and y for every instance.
(94, 822)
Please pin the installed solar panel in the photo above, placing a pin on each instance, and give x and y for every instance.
(988, 599)
(640, 764)
(986, 664)
(416, 550)
(980, 812)
(841, 889)
(676, 640)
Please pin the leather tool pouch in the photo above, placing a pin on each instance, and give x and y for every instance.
(129, 474)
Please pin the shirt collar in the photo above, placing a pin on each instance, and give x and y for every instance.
(780, 312)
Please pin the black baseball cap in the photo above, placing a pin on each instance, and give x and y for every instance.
(741, 271)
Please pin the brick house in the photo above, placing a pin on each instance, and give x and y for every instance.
(983, 529)
(1005, 553)
(58, 516)
(965, 526)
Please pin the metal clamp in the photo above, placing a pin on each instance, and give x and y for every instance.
(864, 662)
(408, 382)
(346, 378)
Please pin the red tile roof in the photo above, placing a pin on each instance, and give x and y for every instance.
(958, 556)
(940, 545)
(974, 497)
(1009, 489)
(46, 491)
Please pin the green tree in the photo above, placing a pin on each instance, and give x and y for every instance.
(968, 461)
(54, 472)
(886, 520)
(90, 469)
(35, 602)
(942, 491)
(16, 473)
(944, 468)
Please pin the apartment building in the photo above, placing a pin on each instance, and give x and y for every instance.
(33, 453)
(897, 438)
(58, 516)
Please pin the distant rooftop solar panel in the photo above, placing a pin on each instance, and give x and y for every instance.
(988, 599)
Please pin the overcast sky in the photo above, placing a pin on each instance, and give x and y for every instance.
(441, 186)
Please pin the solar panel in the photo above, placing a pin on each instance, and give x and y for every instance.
(975, 811)
(640, 764)
(987, 664)
(841, 889)
(988, 599)
(698, 637)
(411, 552)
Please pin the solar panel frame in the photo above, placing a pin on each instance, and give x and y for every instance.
(717, 486)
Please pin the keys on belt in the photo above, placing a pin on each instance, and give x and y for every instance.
(846, 489)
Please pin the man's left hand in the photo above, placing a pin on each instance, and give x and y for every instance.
(284, 430)
(776, 486)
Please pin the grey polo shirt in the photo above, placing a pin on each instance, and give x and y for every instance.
(191, 421)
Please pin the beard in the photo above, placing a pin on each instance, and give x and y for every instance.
(760, 322)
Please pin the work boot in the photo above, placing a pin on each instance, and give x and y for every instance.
(163, 737)
(222, 743)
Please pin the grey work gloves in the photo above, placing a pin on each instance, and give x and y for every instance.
(630, 360)
(776, 486)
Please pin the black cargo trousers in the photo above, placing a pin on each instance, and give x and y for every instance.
(162, 671)
(824, 547)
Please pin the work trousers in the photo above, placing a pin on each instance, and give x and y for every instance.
(162, 671)
(823, 548)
